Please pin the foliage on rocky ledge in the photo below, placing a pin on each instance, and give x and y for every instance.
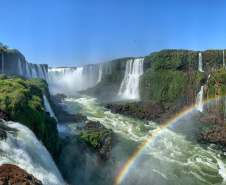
(22, 101)
(99, 137)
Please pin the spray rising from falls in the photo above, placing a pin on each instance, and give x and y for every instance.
(199, 100)
(22, 148)
(70, 80)
(19, 67)
(200, 62)
(129, 88)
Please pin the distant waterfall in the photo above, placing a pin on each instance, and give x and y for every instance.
(223, 61)
(3, 63)
(34, 72)
(45, 74)
(100, 73)
(40, 72)
(200, 62)
(130, 85)
(19, 67)
(23, 149)
(199, 100)
(48, 108)
(28, 71)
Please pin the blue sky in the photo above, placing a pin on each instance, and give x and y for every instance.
(78, 32)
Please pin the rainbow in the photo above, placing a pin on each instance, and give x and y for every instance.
(125, 170)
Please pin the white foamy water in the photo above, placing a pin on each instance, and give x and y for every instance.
(22, 148)
(129, 88)
(170, 159)
(199, 100)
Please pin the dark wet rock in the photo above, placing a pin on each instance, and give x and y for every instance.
(216, 135)
(59, 97)
(80, 118)
(3, 134)
(149, 111)
(12, 174)
(4, 116)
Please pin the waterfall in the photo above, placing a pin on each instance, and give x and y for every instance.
(45, 74)
(90, 75)
(3, 63)
(200, 62)
(48, 108)
(40, 72)
(34, 72)
(100, 73)
(28, 71)
(223, 61)
(78, 78)
(23, 149)
(199, 100)
(129, 88)
(19, 67)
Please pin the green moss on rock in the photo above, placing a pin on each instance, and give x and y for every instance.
(23, 102)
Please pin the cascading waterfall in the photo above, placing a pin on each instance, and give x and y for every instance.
(70, 80)
(40, 72)
(34, 72)
(199, 100)
(129, 88)
(100, 73)
(200, 62)
(45, 74)
(3, 63)
(23, 149)
(28, 71)
(19, 67)
(223, 61)
(48, 108)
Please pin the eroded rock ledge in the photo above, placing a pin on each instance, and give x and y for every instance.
(12, 174)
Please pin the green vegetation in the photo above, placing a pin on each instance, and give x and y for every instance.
(99, 138)
(217, 84)
(22, 101)
(172, 73)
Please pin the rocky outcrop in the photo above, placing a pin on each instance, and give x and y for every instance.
(14, 64)
(149, 111)
(59, 97)
(99, 137)
(4, 116)
(12, 174)
(216, 135)
(80, 118)
(3, 134)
